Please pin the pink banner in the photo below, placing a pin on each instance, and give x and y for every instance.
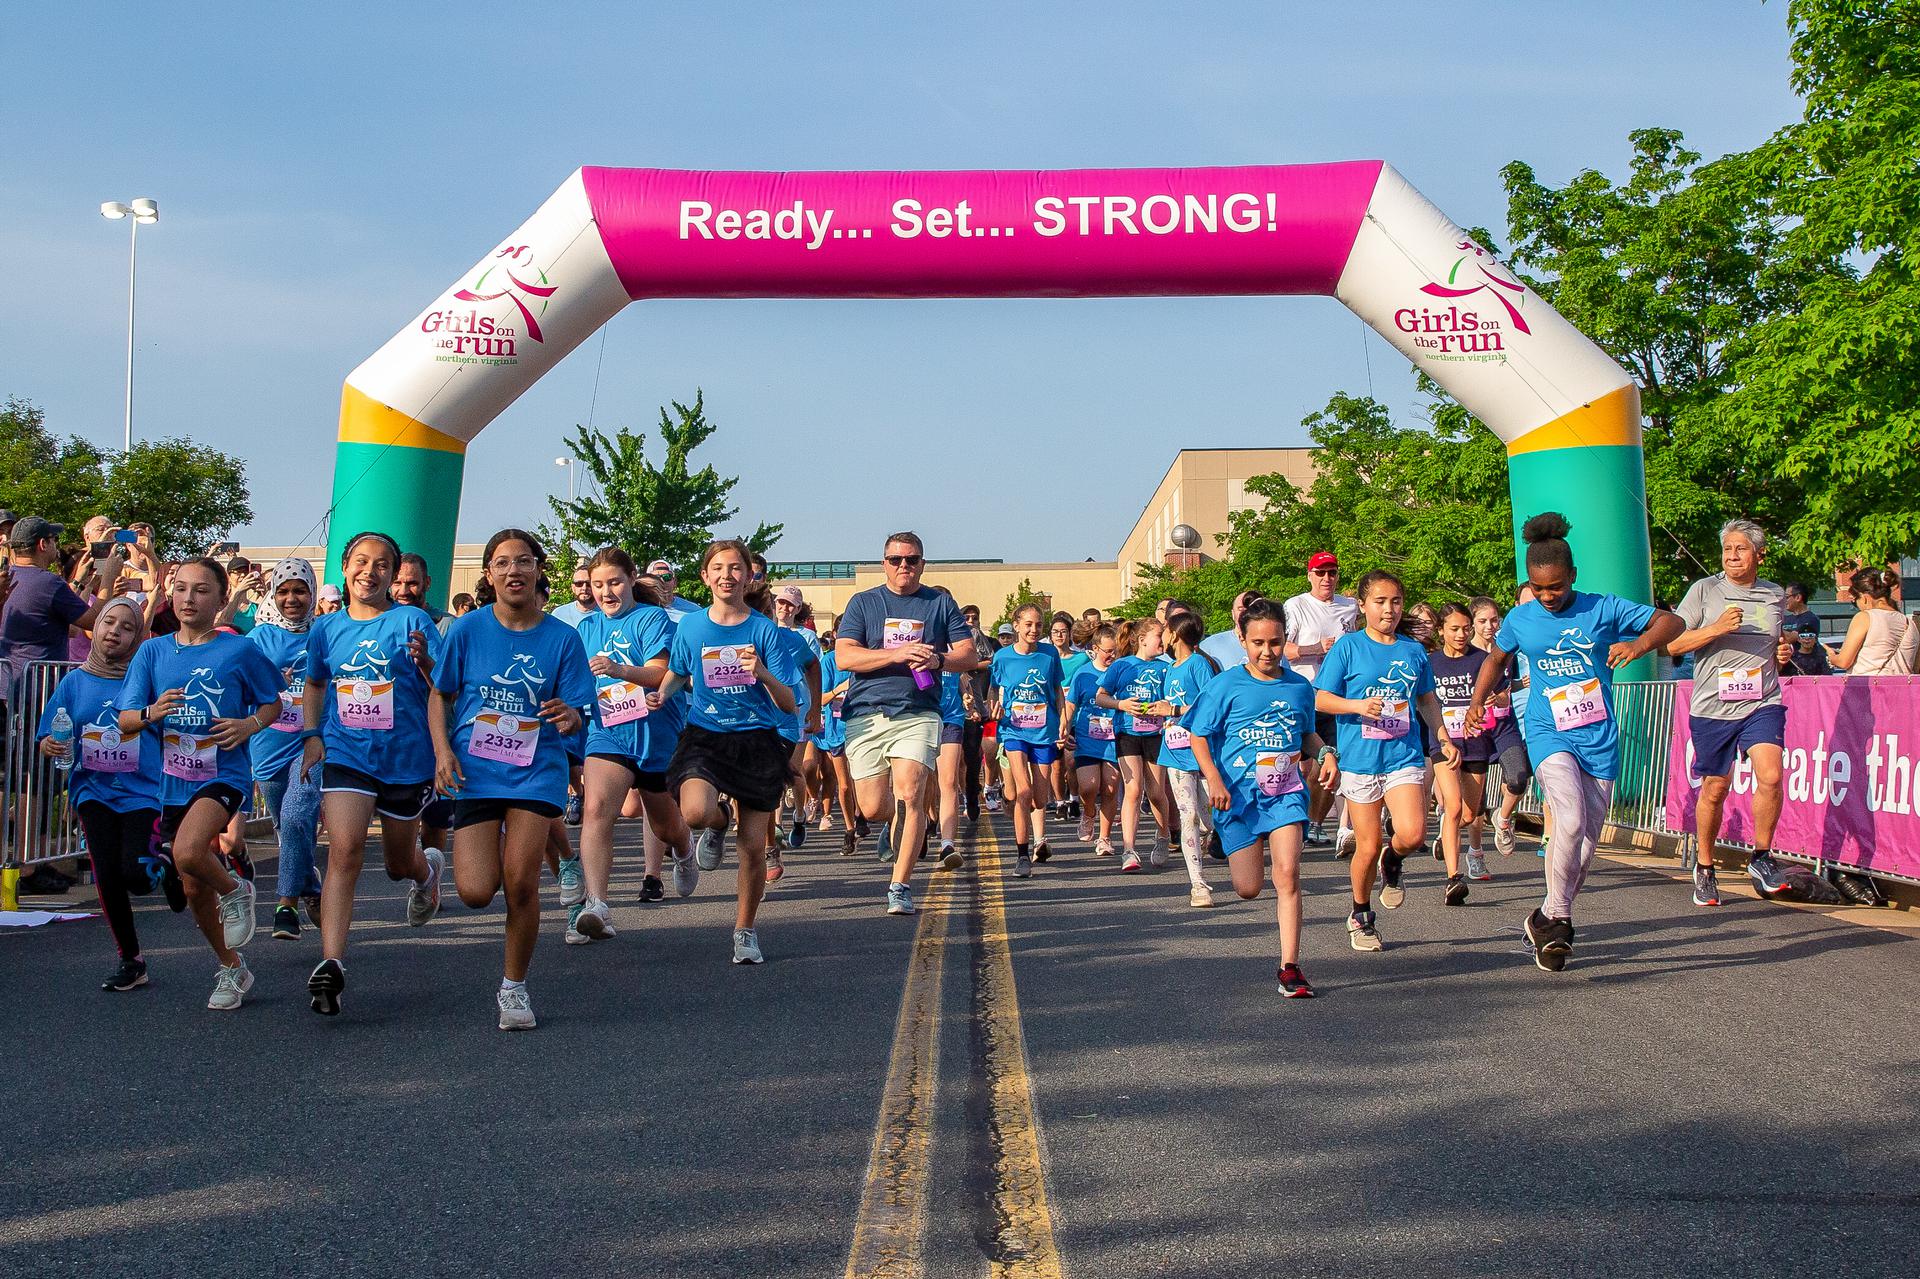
(1852, 752)
(984, 233)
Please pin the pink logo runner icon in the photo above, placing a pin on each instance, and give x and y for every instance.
(1497, 285)
(520, 256)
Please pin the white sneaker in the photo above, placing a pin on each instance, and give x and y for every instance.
(707, 850)
(230, 987)
(236, 918)
(573, 882)
(595, 920)
(746, 947)
(423, 900)
(1362, 934)
(1503, 837)
(516, 1009)
(686, 874)
(1086, 830)
(1130, 864)
(1200, 895)
(1343, 843)
(1477, 867)
(1103, 848)
(1157, 855)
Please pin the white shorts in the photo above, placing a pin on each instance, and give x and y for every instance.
(1371, 788)
(874, 740)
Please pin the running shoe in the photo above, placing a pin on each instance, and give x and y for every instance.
(1317, 836)
(775, 867)
(324, 987)
(286, 924)
(1343, 843)
(1073, 809)
(1361, 933)
(746, 947)
(230, 987)
(812, 812)
(1200, 896)
(1706, 889)
(826, 822)
(1391, 893)
(973, 810)
(572, 935)
(595, 920)
(573, 810)
(1769, 876)
(885, 845)
(1541, 852)
(950, 858)
(1103, 848)
(1022, 864)
(861, 827)
(797, 836)
(1439, 854)
(1456, 890)
(573, 882)
(1157, 855)
(706, 850)
(1293, 982)
(1041, 852)
(1552, 941)
(849, 844)
(236, 917)
(130, 974)
(516, 1009)
(652, 889)
(686, 874)
(1086, 830)
(1130, 864)
(240, 863)
(993, 804)
(311, 903)
(423, 899)
(1503, 836)
(900, 899)
(1477, 868)
(172, 889)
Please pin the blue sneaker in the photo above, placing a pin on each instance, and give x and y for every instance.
(900, 899)
(573, 882)
(885, 843)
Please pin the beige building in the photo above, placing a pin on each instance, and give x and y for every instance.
(1203, 488)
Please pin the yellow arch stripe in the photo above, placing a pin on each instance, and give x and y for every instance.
(364, 420)
(1614, 418)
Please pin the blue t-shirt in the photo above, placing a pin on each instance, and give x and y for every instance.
(1183, 685)
(703, 650)
(1072, 663)
(790, 668)
(1567, 652)
(499, 679)
(1029, 685)
(99, 754)
(632, 638)
(877, 618)
(384, 686)
(1093, 724)
(1358, 666)
(1255, 730)
(953, 704)
(1138, 678)
(225, 678)
(280, 745)
(833, 729)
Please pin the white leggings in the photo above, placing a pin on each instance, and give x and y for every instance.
(1579, 803)
(1196, 818)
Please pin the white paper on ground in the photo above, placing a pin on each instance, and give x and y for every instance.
(35, 918)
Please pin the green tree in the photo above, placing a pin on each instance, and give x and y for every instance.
(41, 474)
(1022, 595)
(192, 495)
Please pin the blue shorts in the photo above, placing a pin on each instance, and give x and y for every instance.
(1042, 753)
(1251, 819)
(1718, 742)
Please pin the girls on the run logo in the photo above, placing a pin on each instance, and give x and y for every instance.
(467, 336)
(1456, 333)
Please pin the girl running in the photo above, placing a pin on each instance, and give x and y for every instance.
(952, 766)
(1192, 672)
(832, 742)
(1251, 730)
(1509, 747)
(732, 744)
(1096, 767)
(365, 711)
(1024, 697)
(195, 697)
(513, 678)
(1461, 787)
(1134, 686)
(663, 734)
(113, 782)
(1573, 642)
(1374, 681)
(282, 626)
(1060, 772)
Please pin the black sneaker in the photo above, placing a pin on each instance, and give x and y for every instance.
(1214, 848)
(849, 844)
(129, 975)
(311, 901)
(652, 890)
(1456, 890)
(1022, 864)
(328, 980)
(44, 881)
(1768, 875)
(861, 827)
(797, 836)
(1551, 939)
(973, 810)
(286, 924)
(1293, 983)
(1439, 854)
(241, 864)
(171, 888)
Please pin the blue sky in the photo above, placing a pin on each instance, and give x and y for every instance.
(322, 174)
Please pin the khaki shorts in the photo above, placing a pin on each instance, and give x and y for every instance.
(872, 740)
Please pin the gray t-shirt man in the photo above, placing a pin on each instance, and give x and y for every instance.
(1726, 672)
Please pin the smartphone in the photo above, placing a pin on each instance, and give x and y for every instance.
(126, 537)
(224, 548)
(100, 549)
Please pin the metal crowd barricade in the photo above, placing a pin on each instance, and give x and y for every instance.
(1644, 712)
(40, 825)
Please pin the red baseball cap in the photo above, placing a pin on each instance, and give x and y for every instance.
(1322, 559)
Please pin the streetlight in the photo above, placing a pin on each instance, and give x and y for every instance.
(571, 474)
(141, 211)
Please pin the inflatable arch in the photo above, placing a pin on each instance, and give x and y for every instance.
(1357, 231)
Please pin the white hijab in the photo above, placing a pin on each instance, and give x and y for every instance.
(290, 569)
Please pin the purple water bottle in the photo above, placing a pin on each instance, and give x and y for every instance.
(922, 679)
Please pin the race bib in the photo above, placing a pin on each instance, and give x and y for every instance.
(363, 704)
(1395, 720)
(621, 702)
(1100, 728)
(190, 758)
(1740, 685)
(1143, 723)
(898, 632)
(720, 667)
(291, 719)
(102, 750)
(1577, 705)
(1027, 714)
(1178, 738)
(839, 708)
(1276, 774)
(1455, 720)
(505, 739)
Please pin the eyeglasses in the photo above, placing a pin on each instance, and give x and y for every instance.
(522, 562)
(1325, 572)
(904, 561)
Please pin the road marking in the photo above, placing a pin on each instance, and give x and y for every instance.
(891, 1227)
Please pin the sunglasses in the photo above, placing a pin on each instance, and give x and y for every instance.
(903, 561)
(1325, 572)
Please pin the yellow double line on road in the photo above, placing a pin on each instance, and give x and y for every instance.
(890, 1232)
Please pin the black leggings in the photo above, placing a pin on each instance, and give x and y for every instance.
(116, 842)
(970, 747)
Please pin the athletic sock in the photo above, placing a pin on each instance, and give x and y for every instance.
(1362, 907)
(1020, 848)
(508, 983)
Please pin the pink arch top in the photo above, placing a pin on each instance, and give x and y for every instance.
(986, 233)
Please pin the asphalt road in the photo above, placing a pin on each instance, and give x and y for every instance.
(1726, 1092)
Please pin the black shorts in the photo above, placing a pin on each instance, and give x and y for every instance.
(480, 812)
(643, 779)
(228, 797)
(402, 801)
(438, 814)
(1145, 745)
(751, 766)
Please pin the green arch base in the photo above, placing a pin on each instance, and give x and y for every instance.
(365, 479)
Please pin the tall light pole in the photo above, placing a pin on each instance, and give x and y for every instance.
(141, 211)
(572, 476)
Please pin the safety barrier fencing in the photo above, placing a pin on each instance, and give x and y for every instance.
(39, 825)
(1643, 709)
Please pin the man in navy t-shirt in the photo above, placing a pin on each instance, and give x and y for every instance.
(895, 641)
(41, 606)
